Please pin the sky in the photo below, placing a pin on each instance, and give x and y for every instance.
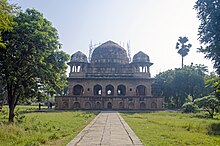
(151, 26)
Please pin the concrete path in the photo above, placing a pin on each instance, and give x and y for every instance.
(107, 129)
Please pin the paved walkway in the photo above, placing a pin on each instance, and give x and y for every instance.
(107, 129)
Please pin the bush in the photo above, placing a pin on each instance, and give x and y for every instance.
(209, 103)
(189, 107)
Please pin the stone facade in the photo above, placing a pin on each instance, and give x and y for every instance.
(109, 81)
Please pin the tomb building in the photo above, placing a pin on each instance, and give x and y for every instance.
(109, 81)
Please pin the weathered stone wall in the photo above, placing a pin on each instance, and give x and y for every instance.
(130, 84)
(115, 103)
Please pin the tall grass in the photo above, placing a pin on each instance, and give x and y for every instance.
(42, 128)
(171, 129)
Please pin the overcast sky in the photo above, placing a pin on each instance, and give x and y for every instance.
(151, 26)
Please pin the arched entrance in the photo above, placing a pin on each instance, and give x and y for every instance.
(109, 90)
(97, 90)
(121, 90)
(98, 105)
(142, 105)
(78, 90)
(87, 105)
(109, 105)
(65, 105)
(76, 105)
(121, 105)
(153, 105)
(131, 105)
(141, 90)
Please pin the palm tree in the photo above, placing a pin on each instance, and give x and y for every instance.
(183, 47)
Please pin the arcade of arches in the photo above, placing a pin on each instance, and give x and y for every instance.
(109, 81)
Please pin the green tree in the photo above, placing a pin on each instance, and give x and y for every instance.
(208, 12)
(212, 82)
(183, 48)
(32, 64)
(6, 19)
(176, 85)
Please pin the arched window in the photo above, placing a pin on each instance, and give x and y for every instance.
(121, 90)
(78, 90)
(76, 105)
(141, 90)
(97, 90)
(109, 90)
(142, 105)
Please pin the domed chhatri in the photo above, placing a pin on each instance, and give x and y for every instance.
(109, 52)
(141, 57)
(79, 57)
(109, 81)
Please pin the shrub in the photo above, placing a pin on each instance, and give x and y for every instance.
(208, 103)
(189, 107)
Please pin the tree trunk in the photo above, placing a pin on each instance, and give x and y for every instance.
(11, 113)
(182, 61)
(12, 102)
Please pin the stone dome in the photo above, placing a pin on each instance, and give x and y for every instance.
(79, 57)
(141, 57)
(109, 52)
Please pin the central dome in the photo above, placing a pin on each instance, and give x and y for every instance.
(109, 52)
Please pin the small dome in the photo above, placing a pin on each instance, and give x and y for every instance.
(79, 57)
(141, 57)
(109, 52)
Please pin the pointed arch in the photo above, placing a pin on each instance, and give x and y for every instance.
(131, 105)
(76, 105)
(87, 105)
(97, 89)
(109, 90)
(142, 105)
(121, 90)
(78, 90)
(153, 105)
(141, 90)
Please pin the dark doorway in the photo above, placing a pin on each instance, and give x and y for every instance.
(141, 90)
(109, 106)
(142, 105)
(78, 90)
(97, 90)
(98, 105)
(121, 90)
(87, 105)
(109, 90)
(76, 105)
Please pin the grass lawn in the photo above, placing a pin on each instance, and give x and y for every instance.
(172, 128)
(55, 128)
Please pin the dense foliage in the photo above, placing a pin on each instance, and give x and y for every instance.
(180, 84)
(208, 103)
(32, 64)
(208, 12)
(6, 16)
(189, 107)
